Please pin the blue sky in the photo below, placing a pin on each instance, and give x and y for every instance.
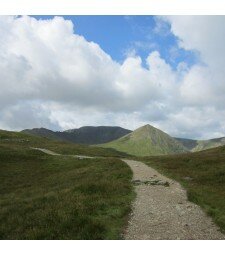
(120, 35)
(53, 77)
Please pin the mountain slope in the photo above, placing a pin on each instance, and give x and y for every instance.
(200, 145)
(43, 132)
(104, 134)
(95, 135)
(85, 135)
(208, 144)
(145, 141)
(188, 143)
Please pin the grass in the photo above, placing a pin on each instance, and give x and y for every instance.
(205, 184)
(22, 140)
(59, 197)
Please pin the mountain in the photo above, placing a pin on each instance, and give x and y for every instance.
(187, 143)
(85, 135)
(146, 141)
(95, 135)
(199, 145)
(106, 134)
(208, 144)
(43, 132)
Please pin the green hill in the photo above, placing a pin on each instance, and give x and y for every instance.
(145, 141)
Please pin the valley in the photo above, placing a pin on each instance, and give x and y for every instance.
(55, 189)
(144, 141)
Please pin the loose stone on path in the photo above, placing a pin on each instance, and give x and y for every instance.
(163, 212)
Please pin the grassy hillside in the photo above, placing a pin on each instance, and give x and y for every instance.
(190, 144)
(146, 141)
(18, 139)
(200, 145)
(57, 197)
(43, 132)
(105, 134)
(84, 135)
(203, 176)
(208, 144)
(95, 135)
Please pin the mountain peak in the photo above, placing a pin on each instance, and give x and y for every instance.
(147, 127)
(146, 131)
(145, 141)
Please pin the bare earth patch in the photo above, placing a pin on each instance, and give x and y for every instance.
(163, 211)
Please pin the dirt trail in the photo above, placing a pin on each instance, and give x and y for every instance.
(161, 209)
(57, 154)
(163, 212)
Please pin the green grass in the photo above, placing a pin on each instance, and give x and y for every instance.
(21, 140)
(59, 197)
(207, 170)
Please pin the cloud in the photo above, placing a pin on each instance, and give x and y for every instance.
(204, 34)
(53, 77)
(27, 114)
(45, 61)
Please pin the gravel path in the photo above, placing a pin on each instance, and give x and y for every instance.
(57, 154)
(163, 212)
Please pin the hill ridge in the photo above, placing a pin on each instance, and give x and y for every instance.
(145, 141)
(92, 135)
(89, 135)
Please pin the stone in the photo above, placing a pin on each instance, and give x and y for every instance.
(187, 178)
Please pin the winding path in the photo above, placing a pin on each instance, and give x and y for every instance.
(163, 212)
(161, 209)
(57, 154)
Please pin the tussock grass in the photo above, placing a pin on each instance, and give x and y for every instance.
(57, 197)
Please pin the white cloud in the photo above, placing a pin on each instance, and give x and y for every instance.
(27, 115)
(206, 35)
(52, 77)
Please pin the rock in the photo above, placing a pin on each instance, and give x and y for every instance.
(151, 182)
(187, 178)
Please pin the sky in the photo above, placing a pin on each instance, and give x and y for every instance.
(63, 72)
(119, 36)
